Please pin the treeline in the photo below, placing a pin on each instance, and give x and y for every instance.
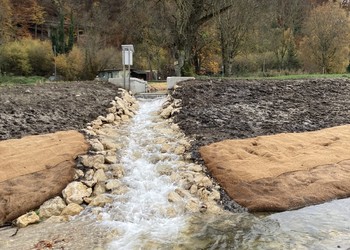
(182, 37)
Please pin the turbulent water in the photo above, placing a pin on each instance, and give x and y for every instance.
(142, 215)
(143, 218)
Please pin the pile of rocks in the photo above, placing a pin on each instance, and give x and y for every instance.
(196, 189)
(96, 174)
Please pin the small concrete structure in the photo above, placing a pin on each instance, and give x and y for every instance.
(136, 85)
(173, 80)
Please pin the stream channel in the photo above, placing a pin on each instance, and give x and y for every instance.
(143, 218)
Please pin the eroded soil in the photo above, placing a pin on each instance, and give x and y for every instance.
(51, 107)
(215, 110)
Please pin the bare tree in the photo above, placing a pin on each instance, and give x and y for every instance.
(234, 26)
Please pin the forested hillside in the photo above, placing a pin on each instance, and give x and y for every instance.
(182, 37)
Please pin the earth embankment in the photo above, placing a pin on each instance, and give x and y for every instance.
(240, 130)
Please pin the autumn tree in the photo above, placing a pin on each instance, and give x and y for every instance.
(283, 28)
(5, 21)
(234, 25)
(325, 47)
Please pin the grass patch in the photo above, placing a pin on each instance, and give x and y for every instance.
(11, 80)
(157, 86)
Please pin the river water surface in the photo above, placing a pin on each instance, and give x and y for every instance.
(143, 218)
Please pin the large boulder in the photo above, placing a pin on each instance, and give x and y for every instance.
(75, 192)
(52, 207)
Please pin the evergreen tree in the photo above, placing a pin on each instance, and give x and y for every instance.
(58, 37)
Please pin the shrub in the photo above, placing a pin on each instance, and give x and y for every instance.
(14, 59)
(26, 57)
(71, 65)
(40, 57)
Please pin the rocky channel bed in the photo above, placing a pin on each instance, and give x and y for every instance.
(96, 174)
(211, 110)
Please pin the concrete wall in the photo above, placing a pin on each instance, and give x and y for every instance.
(173, 80)
(136, 85)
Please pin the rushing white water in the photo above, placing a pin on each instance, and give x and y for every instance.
(144, 215)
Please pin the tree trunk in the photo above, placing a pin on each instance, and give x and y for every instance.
(180, 62)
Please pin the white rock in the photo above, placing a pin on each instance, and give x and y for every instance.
(121, 190)
(99, 188)
(193, 189)
(100, 200)
(112, 109)
(26, 219)
(111, 159)
(214, 195)
(203, 194)
(108, 145)
(58, 219)
(195, 168)
(179, 150)
(100, 175)
(96, 123)
(185, 143)
(96, 145)
(174, 197)
(110, 118)
(166, 148)
(117, 170)
(91, 160)
(205, 182)
(166, 113)
(182, 192)
(113, 184)
(89, 132)
(164, 170)
(192, 206)
(89, 175)
(75, 192)
(100, 166)
(72, 209)
(129, 113)
(125, 118)
(78, 174)
(52, 207)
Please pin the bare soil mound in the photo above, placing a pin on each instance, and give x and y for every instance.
(51, 107)
(214, 110)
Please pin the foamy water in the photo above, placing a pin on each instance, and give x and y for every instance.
(144, 215)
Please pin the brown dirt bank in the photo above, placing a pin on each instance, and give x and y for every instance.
(215, 110)
(283, 171)
(36, 168)
(51, 107)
